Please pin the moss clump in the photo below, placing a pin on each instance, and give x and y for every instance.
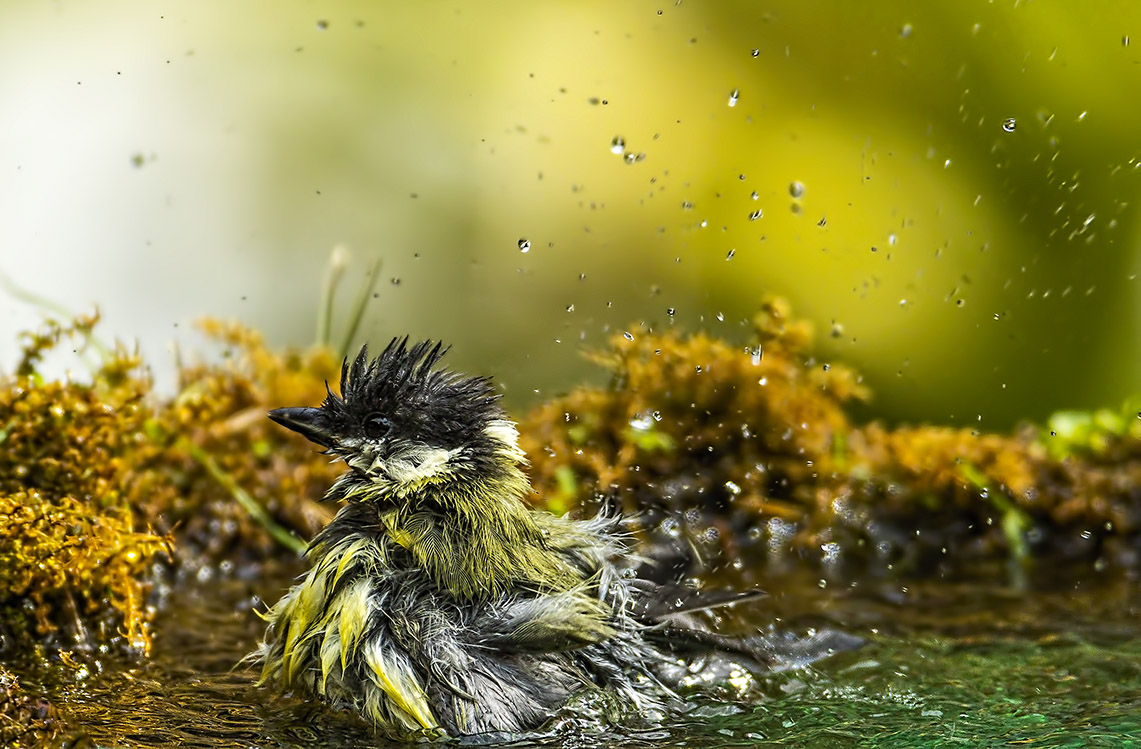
(694, 420)
(742, 457)
(71, 550)
(101, 479)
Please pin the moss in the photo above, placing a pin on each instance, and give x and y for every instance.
(101, 479)
(752, 449)
(71, 550)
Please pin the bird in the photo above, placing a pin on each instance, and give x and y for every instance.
(439, 601)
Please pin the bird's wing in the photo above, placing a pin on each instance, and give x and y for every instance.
(545, 623)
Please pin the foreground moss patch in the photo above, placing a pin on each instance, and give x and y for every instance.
(101, 479)
(71, 552)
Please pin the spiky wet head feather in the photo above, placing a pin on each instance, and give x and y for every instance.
(403, 385)
(396, 375)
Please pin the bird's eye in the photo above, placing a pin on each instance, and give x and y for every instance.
(376, 426)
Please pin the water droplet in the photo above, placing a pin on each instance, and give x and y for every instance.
(396, 280)
(322, 25)
(629, 158)
(570, 308)
(823, 220)
(1125, 41)
(524, 245)
(757, 52)
(686, 205)
(670, 311)
(618, 145)
(892, 239)
(796, 189)
(733, 96)
(731, 254)
(628, 336)
(720, 317)
(756, 214)
(905, 32)
(641, 422)
(755, 354)
(1009, 124)
(657, 415)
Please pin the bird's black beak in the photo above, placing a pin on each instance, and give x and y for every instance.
(313, 423)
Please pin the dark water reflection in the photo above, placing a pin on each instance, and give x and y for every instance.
(946, 664)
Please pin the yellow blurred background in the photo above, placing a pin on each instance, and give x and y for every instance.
(946, 189)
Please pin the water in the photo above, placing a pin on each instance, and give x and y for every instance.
(945, 664)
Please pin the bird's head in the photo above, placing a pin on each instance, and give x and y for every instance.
(403, 425)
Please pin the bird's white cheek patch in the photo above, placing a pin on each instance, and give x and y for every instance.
(419, 464)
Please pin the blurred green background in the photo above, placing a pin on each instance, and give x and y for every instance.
(946, 189)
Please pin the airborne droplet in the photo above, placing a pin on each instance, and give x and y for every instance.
(733, 96)
(796, 189)
(524, 245)
(618, 145)
(1009, 124)
(756, 214)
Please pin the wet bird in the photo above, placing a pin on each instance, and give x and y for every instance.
(438, 601)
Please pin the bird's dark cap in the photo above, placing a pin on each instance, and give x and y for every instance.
(312, 423)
